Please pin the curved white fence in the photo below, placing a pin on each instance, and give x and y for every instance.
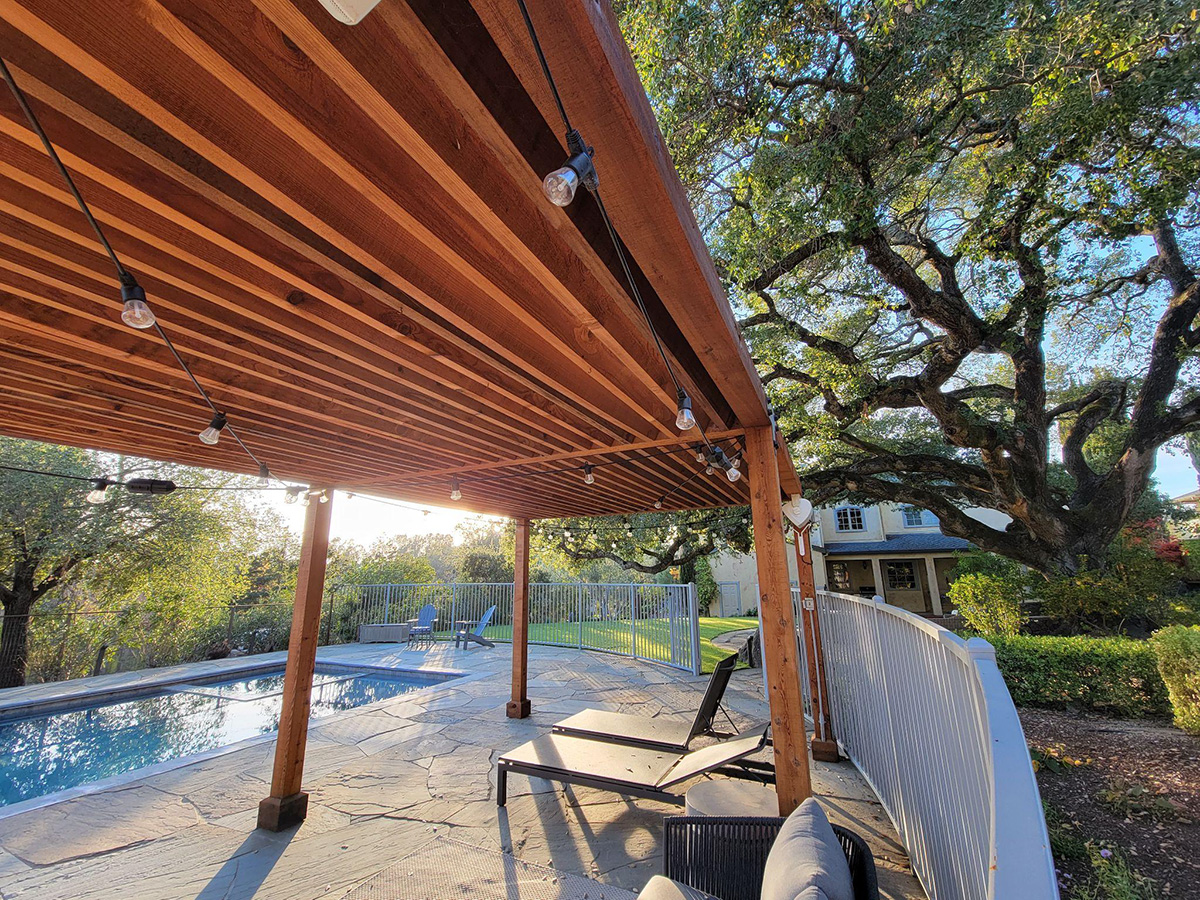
(927, 718)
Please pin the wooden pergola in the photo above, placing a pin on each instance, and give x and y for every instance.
(343, 231)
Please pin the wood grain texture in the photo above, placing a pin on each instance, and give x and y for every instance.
(518, 706)
(302, 653)
(343, 231)
(781, 657)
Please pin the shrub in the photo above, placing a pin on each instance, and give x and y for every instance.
(989, 604)
(1178, 651)
(1114, 676)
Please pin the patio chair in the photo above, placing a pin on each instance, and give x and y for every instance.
(632, 771)
(655, 733)
(475, 635)
(745, 858)
(422, 628)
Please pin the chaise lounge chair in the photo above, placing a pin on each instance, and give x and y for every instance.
(657, 733)
(633, 771)
(475, 635)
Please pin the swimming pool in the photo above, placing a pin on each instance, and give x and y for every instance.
(69, 748)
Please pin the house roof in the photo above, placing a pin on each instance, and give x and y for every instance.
(343, 231)
(1189, 497)
(931, 542)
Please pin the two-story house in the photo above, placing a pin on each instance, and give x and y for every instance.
(893, 550)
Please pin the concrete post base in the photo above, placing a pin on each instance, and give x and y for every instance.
(282, 813)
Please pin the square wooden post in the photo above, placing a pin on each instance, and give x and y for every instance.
(288, 805)
(781, 652)
(518, 706)
(824, 747)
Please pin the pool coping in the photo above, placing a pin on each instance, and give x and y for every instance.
(173, 676)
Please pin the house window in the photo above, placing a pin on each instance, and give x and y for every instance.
(901, 576)
(915, 518)
(849, 518)
(839, 576)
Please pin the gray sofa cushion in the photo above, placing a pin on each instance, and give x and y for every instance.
(662, 888)
(807, 854)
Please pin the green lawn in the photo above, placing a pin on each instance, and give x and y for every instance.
(652, 634)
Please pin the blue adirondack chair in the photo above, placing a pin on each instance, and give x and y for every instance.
(475, 635)
(422, 628)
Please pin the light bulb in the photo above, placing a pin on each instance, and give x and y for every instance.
(560, 186)
(700, 457)
(290, 496)
(137, 313)
(212, 433)
(684, 419)
(304, 501)
(658, 504)
(708, 470)
(99, 492)
(324, 497)
(264, 475)
(733, 474)
(588, 477)
(455, 493)
(736, 462)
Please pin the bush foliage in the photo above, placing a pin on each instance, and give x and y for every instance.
(1114, 676)
(1178, 650)
(989, 604)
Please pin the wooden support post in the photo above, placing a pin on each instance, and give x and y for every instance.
(824, 747)
(780, 648)
(288, 805)
(518, 706)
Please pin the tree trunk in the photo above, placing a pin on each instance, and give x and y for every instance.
(14, 638)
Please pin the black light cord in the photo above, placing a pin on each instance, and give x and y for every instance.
(122, 273)
(537, 48)
(612, 231)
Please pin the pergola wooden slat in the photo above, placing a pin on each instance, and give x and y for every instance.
(343, 231)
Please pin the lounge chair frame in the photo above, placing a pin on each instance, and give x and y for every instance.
(725, 759)
(620, 729)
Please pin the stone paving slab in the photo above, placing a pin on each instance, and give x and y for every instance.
(383, 780)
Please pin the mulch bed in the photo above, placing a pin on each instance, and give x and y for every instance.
(1163, 842)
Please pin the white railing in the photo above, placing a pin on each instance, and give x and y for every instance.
(652, 622)
(926, 717)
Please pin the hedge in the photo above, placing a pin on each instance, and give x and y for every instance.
(1114, 676)
(1178, 651)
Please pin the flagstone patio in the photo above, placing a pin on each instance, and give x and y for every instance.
(385, 779)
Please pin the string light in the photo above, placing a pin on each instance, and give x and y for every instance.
(264, 475)
(455, 491)
(685, 420)
(291, 495)
(99, 491)
(212, 433)
(136, 312)
(588, 477)
(561, 184)
(323, 496)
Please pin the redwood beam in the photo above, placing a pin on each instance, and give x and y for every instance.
(288, 805)
(781, 652)
(824, 747)
(518, 707)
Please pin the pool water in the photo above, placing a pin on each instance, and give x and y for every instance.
(44, 754)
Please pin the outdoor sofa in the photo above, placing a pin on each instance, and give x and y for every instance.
(801, 857)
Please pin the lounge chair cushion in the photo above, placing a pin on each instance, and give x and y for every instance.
(662, 888)
(807, 854)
